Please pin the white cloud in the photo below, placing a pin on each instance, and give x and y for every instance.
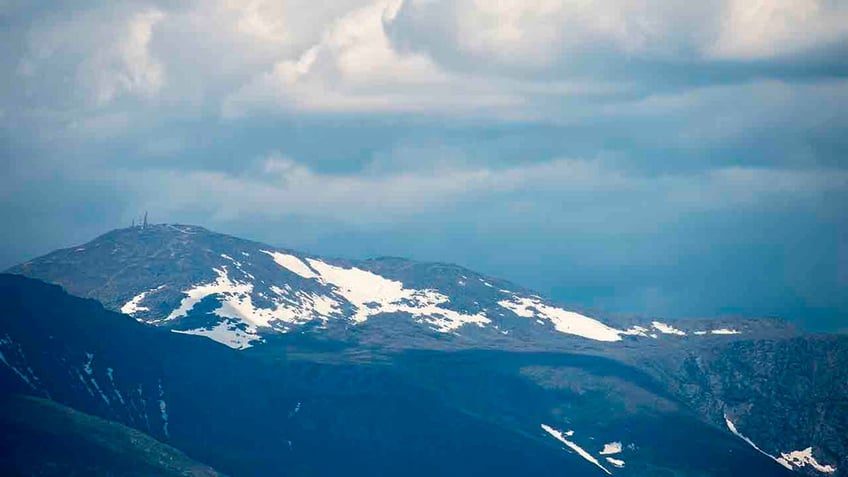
(539, 32)
(415, 55)
(512, 59)
(261, 19)
(355, 67)
(759, 29)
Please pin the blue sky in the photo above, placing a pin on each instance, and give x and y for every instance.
(658, 158)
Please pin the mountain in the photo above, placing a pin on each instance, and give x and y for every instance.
(42, 437)
(688, 397)
(243, 293)
(414, 413)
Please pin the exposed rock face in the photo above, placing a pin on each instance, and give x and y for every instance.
(784, 396)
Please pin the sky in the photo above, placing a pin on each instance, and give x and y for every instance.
(664, 158)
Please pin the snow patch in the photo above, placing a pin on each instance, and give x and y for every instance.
(298, 307)
(109, 373)
(163, 409)
(732, 427)
(100, 391)
(636, 330)
(134, 306)
(292, 264)
(725, 331)
(564, 321)
(667, 329)
(87, 366)
(27, 375)
(228, 332)
(84, 382)
(611, 448)
(372, 294)
(579, 450)
(221, 286)
(140, 392)
(237, 304)
(802, 458)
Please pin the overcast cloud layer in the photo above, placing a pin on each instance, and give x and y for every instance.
(669, 158)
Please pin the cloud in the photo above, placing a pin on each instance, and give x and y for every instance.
(107, 53)
(354, 67)
(543, 34)
(753, 30)
(277, 186)
(130, 68)
(537, 60)
(508, 59)
(263, 20)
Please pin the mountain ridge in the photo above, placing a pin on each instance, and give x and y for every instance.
(240, 290)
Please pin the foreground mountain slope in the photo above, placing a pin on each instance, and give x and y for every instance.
(465, 413)
(243, 293)
(42, 437)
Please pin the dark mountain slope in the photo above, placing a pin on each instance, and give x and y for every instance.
(432, 414)
(42, 437)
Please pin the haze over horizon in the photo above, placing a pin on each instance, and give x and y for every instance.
(659, 158)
